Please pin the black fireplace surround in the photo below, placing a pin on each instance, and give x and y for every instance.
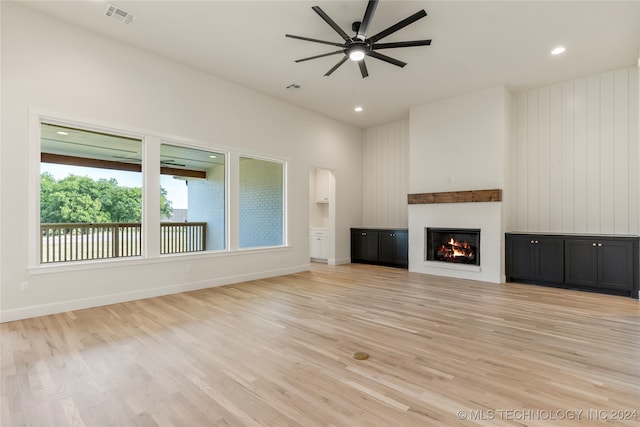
(453, 245)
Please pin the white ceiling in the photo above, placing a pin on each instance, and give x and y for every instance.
(476, 44)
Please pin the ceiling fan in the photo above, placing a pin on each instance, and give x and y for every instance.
(356, 48)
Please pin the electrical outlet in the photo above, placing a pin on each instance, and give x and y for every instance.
(24, 287)
(187, 268)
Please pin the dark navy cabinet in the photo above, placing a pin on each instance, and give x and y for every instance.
(600, 263)
(589, 262)
(536, 258)
(364, 245)
(380, 246)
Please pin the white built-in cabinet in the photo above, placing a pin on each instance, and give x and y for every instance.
(319, 244)
(323, 185)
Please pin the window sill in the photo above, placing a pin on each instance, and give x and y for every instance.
(70, 266)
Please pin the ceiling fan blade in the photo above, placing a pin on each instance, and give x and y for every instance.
(314, 40)
(319, 56)
(335, 67)
(331, 23)
(386, 58)
(401, 44)
(363, 69)
(366, 20)
(392, 29)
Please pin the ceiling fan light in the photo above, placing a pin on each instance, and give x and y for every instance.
(356, 54)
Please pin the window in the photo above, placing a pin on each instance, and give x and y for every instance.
(90, 195)
(192, 200)
(92, 188)
(261, 199)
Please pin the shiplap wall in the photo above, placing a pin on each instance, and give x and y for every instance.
(386, 175)
(575, 156)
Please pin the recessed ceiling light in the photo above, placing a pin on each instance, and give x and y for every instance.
(357, 109)
(212, 157)
(62, 133)
(558, 50)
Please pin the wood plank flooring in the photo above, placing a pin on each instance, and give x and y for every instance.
(278, 352)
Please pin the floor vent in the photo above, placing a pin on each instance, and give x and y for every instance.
(119, 14)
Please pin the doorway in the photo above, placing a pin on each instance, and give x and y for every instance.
(321, 215)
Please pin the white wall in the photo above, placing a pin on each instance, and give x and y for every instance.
(386, 175)
(575, 156)
(50, 66)
(459, 144)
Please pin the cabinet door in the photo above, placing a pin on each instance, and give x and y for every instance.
(521, 253)
(371, 245)
(357, 245)
(615, 264)
(580, 262)
(387, 247)
(318, 247)
(314, 247)
(393, 247)
(402, 248)
(323, 185)
(364, 245)
(324, 248)
(550, 259)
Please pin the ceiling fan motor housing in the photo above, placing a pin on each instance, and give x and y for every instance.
(357, 45)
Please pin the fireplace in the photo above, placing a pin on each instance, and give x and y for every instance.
(454, 245)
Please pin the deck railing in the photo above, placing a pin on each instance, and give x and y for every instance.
(180, 237)
(87, 241)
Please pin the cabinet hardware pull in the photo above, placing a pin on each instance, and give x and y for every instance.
(364, 234)
(532, 241)
(536, 241)
(594, 244)
(599, 244)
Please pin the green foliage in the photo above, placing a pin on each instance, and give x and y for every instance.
(82, 199)
(166, 210)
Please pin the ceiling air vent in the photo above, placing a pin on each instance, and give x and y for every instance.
(119, 14)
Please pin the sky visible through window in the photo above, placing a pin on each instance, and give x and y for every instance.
(176, 188)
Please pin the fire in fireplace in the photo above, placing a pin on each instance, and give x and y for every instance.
(456, 245)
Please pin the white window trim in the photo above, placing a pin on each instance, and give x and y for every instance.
(227, 180)
(36, 118)
(149, 140)
(285, 197)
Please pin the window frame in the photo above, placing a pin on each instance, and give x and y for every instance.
(36, 119)
(285, 193)
(86, 159)
(226, 153)
(151, 142)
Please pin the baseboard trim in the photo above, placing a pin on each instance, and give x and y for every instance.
(83, 303)
(339, 261)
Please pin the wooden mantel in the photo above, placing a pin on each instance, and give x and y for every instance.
(456, 197)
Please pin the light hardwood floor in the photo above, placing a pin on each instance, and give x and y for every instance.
(278, 352)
